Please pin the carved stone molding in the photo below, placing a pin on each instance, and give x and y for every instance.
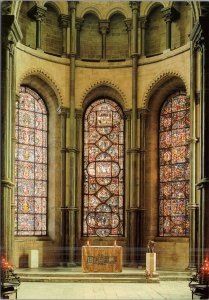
(104, 26)
(170, 14)
(64, 111)
(37, 13)
(6, 7)
(105, 83)
(134, 5)
(79, 23)
(199, 35)
(157, 80)
(64, 21)
(41, 73)
(203, 183)
(11, 32)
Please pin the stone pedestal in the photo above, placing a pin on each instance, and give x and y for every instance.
(151, 262)
(33, 259)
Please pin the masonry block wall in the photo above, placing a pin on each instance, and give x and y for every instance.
(155, 42)
(181, 27)
(51, 33)
(28, 27)
(117, 38)
(90, 39)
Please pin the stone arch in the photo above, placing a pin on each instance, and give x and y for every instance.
(103, 89)
(91, 10)
(173, 78)
(43, 83)
(54, 5)
(150, 6)
(116, 10)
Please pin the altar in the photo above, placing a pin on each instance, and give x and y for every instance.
(102, 259)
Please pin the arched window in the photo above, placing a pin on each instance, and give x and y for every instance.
(174, 135)
(31, 164)
(103, 206)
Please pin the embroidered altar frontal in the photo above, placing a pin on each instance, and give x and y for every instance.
(102, 259)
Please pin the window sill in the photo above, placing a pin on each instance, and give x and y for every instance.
(172, 239)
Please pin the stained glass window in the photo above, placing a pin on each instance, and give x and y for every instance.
(174, 136)
(103, 170)
(31, 164)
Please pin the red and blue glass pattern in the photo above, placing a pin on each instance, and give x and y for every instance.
(103, 170)
(31, 164)
(174, 152)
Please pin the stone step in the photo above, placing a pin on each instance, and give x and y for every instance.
(89, 275)
(90, 279)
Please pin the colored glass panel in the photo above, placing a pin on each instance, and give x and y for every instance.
(103, 206)
(174, 135)
(31, 164)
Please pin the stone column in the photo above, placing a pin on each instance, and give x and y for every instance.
(142, 115)
(104, 29)
(10, 35)
(193, 205)
(143, 22)
(72, 151)
(200, 39)
(169, 14)
(78, 26)
(38, 14)
(128, 24)
(63, 112)
(134, 151)
(64, 23)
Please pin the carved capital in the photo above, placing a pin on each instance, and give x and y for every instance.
(79, 23)
(128, 23)
(203, 183)
(134, 5)
(127, 114)
(6, 7)
(11, 32)
(197, 36)
(170, 14)
(104, 26)
(72, 4)
(64, 20)
(37, 13)
(143, 21)
(142, 113)
(63, 111)
(78, 114)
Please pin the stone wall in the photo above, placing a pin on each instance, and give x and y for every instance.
(90, 39)
(155, 39)
(117, 38)
(51, 32)
(28, 26)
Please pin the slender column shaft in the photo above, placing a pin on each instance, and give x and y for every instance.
(143, 21)
(104, 27)
(72, 141)
(134, 151)
(168, 34)
(38, 34)
(64, 23)
(11, 34)
(192, 206)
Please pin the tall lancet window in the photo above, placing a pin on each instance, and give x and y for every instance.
(31, 164)
(174, 136)
(103, 204)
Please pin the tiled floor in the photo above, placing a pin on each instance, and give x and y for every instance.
(163, 290)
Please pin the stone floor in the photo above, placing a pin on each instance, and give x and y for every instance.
(163, 290)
